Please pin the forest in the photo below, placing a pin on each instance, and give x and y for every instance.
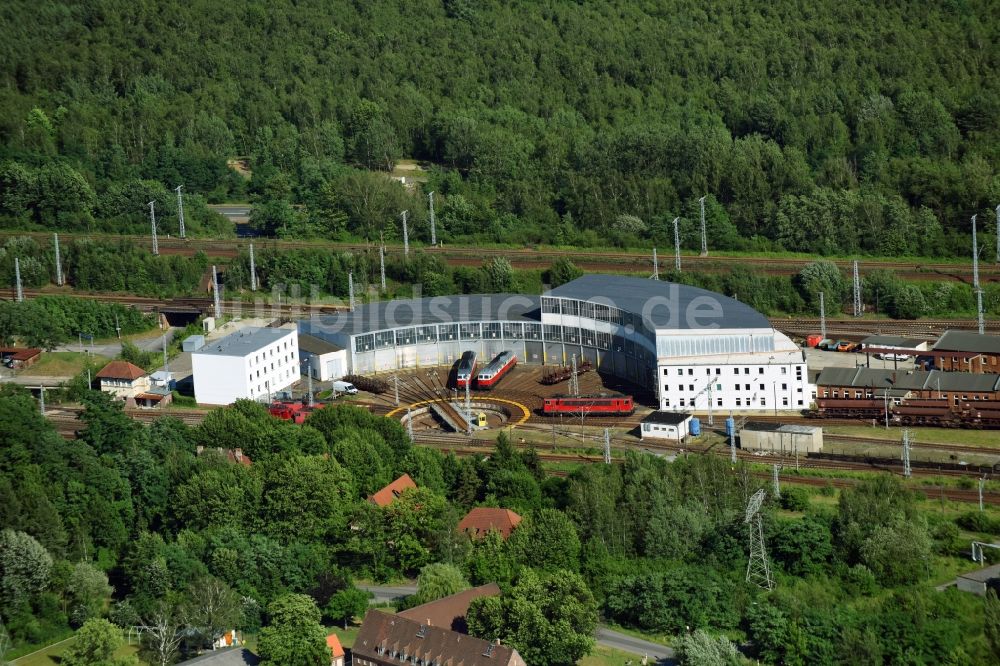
(832, 128)
(155, 525)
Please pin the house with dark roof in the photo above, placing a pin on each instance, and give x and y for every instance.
(392, 640)
(449, 612)
(387, 495)
(666, 425)
(482, 520)
(966, 351)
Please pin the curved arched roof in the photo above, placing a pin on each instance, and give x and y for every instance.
(663, 304)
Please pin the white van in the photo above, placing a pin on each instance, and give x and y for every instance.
(893, 357)
(344, 387)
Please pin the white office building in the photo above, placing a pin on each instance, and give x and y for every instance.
(252, 363)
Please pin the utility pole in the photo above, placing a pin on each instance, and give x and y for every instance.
(118, 329)
(409, 424)
(180, 210)
(607, 446)
(164, 354)
(395, 381)
(430, 198)
(41, 401)
(998, 234)
(468, 407)
(574, 382)
(215, 294)
(822, 315)
(406, 236)
(656, 266)
(152, 222)
(350, 291)
(777, 485)
(975, 279)
(381, 265)
(906, 453)
(982, 482)
(704, 237)
(857, 290)
(17, 280)
(677, 246)
(732, 443)
(309, 376)
(253, 271)
(59, 276)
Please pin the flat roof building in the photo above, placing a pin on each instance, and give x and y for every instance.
(252, 363)
(323, 360)
(784, 439)
(666, 425)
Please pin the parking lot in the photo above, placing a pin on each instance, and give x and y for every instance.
(817, 360)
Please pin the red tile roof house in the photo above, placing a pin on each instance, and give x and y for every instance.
(130, 383)
(336, 650)
(392, 640)
(386, 496)
(481, 520)
(449, 612)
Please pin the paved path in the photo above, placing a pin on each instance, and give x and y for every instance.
(657, 653)
(384, 594)
(605, 637)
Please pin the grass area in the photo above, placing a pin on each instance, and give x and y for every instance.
(986, 438)
(346, 636)
(62, 364)
(185, 401)
(50, 656)
(605, 656)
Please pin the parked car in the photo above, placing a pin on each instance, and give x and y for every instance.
(846, 345)
(344, 387)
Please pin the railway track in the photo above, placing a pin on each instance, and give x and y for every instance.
(930, 328)
(938, 446)
(594, 260)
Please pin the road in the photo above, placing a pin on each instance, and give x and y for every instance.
(605, 637)
(112, 349)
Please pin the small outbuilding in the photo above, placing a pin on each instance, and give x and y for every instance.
(666, 425)
(19, 358)
(779, 438)
(325, 361)
(980, 580)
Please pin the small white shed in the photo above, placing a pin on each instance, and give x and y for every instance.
(326, 361)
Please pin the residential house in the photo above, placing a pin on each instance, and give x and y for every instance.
(336, 650)
(482, 520)
(387, 495)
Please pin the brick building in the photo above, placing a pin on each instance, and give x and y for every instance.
(971, 352)
(871, 383)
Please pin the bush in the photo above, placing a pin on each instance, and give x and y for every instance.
(795, 499)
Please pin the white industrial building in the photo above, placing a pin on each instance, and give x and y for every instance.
(666, 425)
(252, 363)
(697, 349)
(323, 360)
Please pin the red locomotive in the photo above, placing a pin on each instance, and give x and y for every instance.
(494, 372)
(296, 412)
(600, 405)
(466, 369)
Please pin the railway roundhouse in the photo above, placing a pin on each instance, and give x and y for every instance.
(688, 344)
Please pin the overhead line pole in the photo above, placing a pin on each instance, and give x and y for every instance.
(975, 280)
(17, 279)
(180, 210)
(152, 222)
(430, 197)
(822, 315)
(253, 271)
(677, 246)
(59, 275)
(704, 236)
(656, 266)
(406, 236)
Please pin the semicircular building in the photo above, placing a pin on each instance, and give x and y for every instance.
(692, 346)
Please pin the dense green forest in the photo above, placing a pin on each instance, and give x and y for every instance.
(193, 545)
(826, 127)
